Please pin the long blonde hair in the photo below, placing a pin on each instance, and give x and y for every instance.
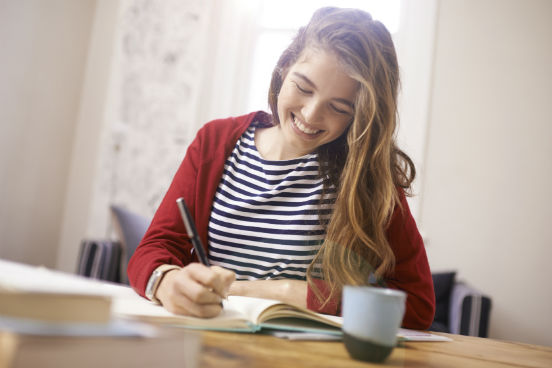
(364, 164)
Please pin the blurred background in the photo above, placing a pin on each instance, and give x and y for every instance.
(99, 100)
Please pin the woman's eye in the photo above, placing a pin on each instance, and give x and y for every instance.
(340, 111)
(301, 89)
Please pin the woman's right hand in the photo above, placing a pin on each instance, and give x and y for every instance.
(195, 290)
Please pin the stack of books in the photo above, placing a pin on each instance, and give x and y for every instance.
(54, 319)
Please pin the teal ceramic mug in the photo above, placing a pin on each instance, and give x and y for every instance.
(371, 319)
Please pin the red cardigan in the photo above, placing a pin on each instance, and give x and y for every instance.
(197, 180)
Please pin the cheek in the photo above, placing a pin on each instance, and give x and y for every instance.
(341, 127)
(284, 97)
(285, 100)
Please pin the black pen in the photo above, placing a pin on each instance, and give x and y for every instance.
(192, 231)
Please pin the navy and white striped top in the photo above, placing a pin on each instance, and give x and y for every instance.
(265, 221)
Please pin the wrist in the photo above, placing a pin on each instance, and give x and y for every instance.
(165, 285)
(156, 279)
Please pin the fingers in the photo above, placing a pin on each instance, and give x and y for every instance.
(221, 280)
(195, 290)
(180, 304)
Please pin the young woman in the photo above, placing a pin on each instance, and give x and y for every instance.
(294, 205)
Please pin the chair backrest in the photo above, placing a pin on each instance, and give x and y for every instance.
(443, 283)
(130, 228)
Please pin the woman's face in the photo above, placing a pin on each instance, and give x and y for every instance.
(315, 104)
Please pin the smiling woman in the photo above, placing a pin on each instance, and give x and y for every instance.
(297, 204)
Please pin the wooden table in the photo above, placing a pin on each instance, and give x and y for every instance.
(221, 349)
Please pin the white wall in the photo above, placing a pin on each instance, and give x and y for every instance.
(138, 112)
(42, 56)
(89, 124)
(486, 204)
(415, 49)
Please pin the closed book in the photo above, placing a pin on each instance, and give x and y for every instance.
(38, 293)
(55, 306)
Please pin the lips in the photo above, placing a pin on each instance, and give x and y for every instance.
(303, 128)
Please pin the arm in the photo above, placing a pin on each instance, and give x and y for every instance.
(412, 274)
(165, 241)
(193, 289)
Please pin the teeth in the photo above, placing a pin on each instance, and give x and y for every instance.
(303, 127)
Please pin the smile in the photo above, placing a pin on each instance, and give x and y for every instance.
(303, 128)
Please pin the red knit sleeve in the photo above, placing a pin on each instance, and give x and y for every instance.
(165, 242)
(412, 274)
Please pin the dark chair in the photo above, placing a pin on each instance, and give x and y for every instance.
(460, 308)
(107, 259)
(100, 259)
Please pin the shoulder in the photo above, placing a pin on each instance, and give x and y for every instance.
(401, 209)
(233, 127)
(217, 138)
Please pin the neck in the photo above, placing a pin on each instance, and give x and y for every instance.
(269, 145)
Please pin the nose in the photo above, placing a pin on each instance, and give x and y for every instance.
(312, 111)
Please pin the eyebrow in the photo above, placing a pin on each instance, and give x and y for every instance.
(311, 83)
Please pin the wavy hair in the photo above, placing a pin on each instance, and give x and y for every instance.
(364, 165)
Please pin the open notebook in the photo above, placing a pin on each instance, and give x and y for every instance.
(247, 314)
(239, 314)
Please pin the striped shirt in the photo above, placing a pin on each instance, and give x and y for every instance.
(265, 221)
